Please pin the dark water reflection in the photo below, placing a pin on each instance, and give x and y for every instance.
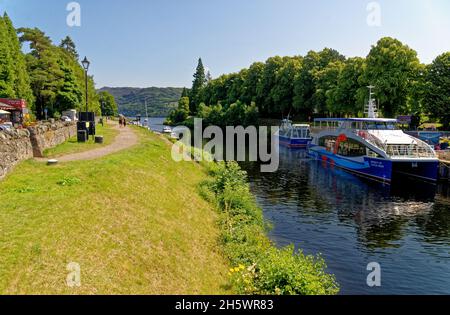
(352, 221)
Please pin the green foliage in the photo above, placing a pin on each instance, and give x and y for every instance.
(56, 78)
(283, 92)
(197, 85)
(267, 83)
(108, 104)
(237, 113)
(68, 44)
(131, 101)
(14, 78)
(261, 268)
(316, 79)
(348, 97)
(391, 66)
(325, 83)
(6, 63)
(180, 114)
(437, 89)
(69, 96)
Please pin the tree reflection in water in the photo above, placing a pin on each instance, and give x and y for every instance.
(324, 209)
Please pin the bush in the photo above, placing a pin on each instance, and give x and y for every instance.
(261, 268)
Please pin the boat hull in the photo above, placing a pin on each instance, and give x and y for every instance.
(423, 170)
(373, 168)
(379, 169)
(294, 142)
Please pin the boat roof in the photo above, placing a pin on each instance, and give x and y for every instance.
(382, 120)
(300, 125)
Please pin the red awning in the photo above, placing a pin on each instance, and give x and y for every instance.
(7, 107)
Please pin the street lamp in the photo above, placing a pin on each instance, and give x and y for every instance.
(86, 64)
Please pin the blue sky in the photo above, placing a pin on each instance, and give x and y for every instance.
(157, 42)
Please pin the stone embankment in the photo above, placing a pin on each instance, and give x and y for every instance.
(17, 145)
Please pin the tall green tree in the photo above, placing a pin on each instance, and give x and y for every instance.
(21, 83)
(283, 92)
(68, 44)
(44, 69)
(266, 84)
(7, 71)
(180, 114)
(108, 104)
(308, 99)
(437, 89)
(345, 99)
(391, 67)
(251, 83)
(56, 77)
(326, 85)
(185, 92)
(235, 86)
(69, 95)
(198, 83)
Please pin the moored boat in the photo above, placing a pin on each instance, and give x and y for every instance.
(167, 130)
(294, 135)
(372, 147)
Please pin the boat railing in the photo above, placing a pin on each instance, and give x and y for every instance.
(370, 138)
(409, 151)
(417, 149)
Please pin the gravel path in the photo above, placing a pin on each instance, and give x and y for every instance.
(125, 139)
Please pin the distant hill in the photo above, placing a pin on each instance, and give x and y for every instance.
(131, 101)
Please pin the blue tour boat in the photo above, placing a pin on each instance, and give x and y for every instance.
(372, 147)
(294, 135)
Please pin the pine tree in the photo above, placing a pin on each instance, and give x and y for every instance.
(21, 83)
(198, 83)
(68, 44)
(70, 95)
(44, 69)
(208, 77)
(7, 72)
(185, 93)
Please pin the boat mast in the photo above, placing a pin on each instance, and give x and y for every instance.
(146, 112)
(371, 108)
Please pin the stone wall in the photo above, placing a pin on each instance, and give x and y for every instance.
(50, 134)
(21, 144)
(15, 146)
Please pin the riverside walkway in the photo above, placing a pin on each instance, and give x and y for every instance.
(124, 140)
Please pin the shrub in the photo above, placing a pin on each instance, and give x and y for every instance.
(261, 268)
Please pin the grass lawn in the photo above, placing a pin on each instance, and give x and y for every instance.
(133, 221)
(72, 146)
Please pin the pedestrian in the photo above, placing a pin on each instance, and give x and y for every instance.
(120, 122)
(124, 122)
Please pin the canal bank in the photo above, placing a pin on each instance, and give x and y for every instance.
(133, 221)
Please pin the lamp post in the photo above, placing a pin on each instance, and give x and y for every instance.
(86, 64)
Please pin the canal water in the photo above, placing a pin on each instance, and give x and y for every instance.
(353, 222)
(155, 123)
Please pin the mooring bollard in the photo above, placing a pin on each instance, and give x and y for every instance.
(99, 139)
(52, 162)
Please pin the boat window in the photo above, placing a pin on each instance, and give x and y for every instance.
(380, 126)
(351, 147)
(373, 154)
